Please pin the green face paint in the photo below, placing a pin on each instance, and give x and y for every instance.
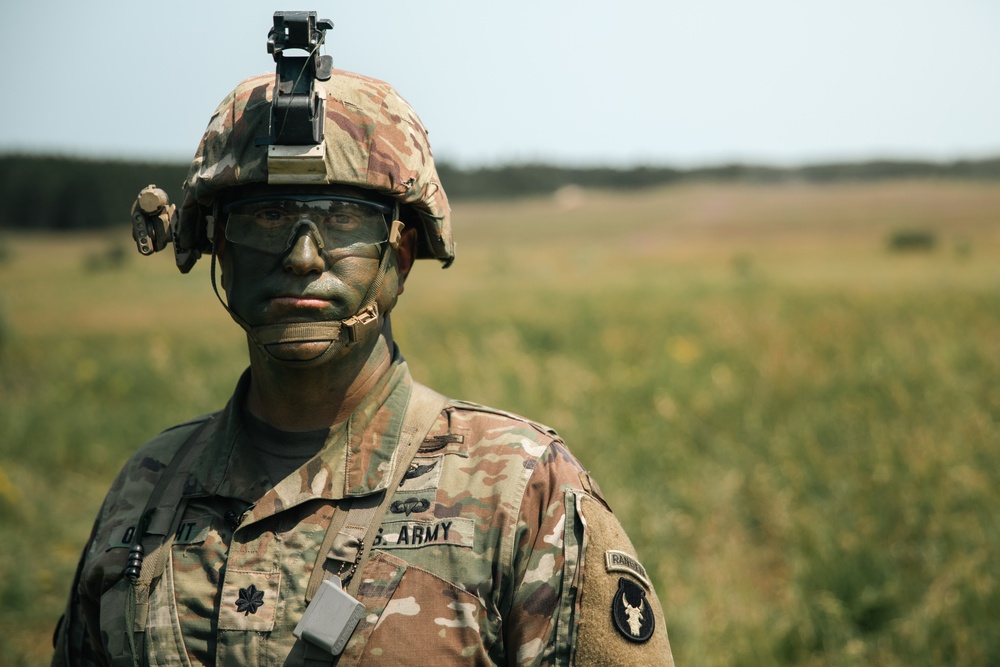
(302, 257)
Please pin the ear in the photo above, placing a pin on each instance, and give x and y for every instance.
(406, 252)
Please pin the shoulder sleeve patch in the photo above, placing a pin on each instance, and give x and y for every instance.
(621, 621)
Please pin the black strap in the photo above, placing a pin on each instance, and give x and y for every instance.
(167, 494)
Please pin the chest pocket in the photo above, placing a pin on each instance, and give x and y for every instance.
(414, 618)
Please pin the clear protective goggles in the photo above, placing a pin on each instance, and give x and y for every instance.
(272, 223)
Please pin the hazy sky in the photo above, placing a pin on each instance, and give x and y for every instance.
(616, 82)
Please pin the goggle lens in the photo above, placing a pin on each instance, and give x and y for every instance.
(271, 224)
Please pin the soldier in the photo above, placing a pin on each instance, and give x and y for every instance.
(336, 511)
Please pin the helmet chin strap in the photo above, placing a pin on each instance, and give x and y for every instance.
(338, 334)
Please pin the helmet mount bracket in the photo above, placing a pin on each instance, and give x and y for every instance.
(296, 151)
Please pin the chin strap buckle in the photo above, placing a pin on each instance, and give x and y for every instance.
(358, 325)
(395, 234)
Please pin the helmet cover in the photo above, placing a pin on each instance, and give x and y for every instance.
(372, 139)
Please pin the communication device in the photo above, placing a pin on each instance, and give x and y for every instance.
(330, 618)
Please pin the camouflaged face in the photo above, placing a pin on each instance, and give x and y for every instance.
(373, 140)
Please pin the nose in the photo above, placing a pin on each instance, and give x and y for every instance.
(304, 256)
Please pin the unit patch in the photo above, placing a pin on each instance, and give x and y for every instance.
(414, 534)
(631, 613)
(619, 561)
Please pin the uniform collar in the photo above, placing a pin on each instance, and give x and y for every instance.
(355, 461)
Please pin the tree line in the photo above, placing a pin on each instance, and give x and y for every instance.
(68, 193)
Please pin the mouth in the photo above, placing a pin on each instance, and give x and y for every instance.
(298, 302)
(300, 308)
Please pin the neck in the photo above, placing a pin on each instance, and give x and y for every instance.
(317, 397)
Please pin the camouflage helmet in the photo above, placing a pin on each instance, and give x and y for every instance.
(372, 139)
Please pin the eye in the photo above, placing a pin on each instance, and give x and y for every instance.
(343, 216)
(269, 217)
(342, 219)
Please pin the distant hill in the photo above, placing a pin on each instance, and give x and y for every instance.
(63, 193)
(534, 179)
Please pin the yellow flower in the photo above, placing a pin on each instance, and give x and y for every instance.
(683, 350)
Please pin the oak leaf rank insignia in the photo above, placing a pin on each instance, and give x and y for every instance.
(250, 600)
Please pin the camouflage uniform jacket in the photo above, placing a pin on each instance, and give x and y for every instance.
(497, 550)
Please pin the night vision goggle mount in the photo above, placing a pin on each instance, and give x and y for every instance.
(296, 151)
(295, 145)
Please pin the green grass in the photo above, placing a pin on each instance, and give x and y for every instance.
(799, 429)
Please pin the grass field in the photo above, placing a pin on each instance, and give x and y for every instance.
(799, 428)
